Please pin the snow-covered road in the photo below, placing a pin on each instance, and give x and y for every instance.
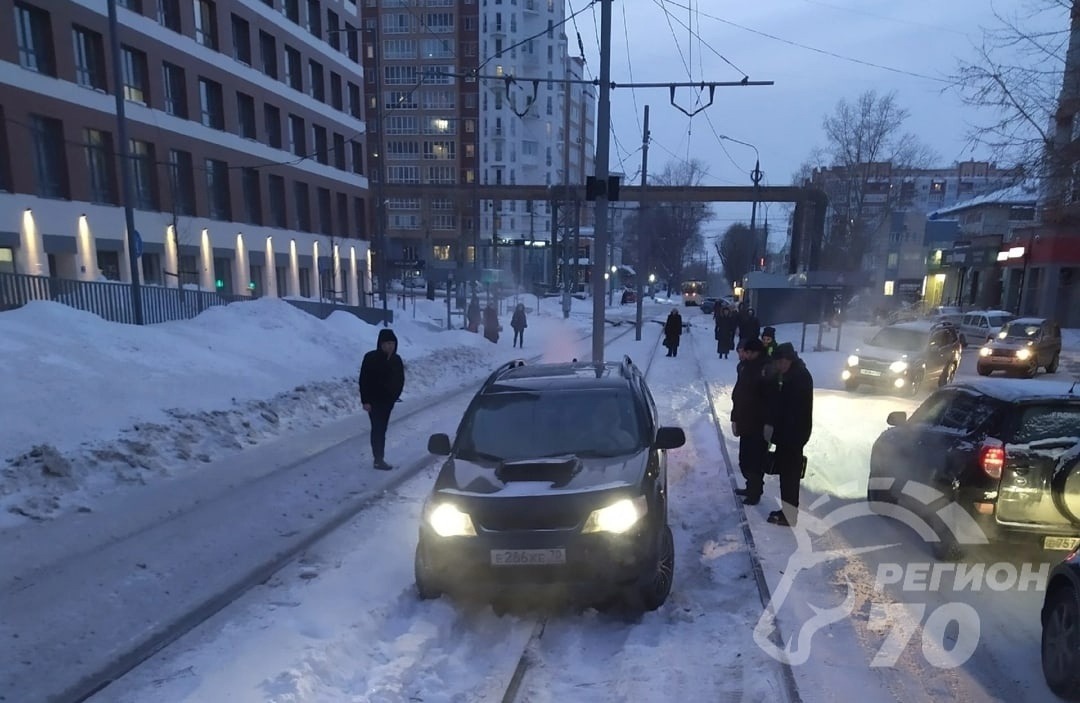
(906, 641)
(343, 623)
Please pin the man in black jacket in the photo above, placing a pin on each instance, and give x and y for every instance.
(748, 419)
(382, 378)
(789, 422)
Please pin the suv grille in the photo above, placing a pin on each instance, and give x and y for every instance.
(531, 515)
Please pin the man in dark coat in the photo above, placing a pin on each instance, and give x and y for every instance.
(789, 422)
(768, 338)
(748, 420)
(725, 330)
(473, 315)
(491, 324)
(518, 323)
(673, 332)
(382, 378)
(749, 325)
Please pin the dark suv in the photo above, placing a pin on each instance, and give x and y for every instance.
(1006, 452)
(905, 357)
(557, 478)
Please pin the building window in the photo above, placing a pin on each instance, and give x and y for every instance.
(355, 103)
(314, 18)
(340, 156)
(352, 39)
(245, 111)
(294, 76)
(182, 182)
(89, 59)
(33, 31)
(291, 10)
(241, 37)
(252, 196)
(151, 268)
(357, 157)
(322, 154)
(272, 122)
(333, 30)
(268, 54)
(217, 189)
(133, 5)
(297, 140)
(304, 274)
(136, 85)
(175, 87)
(5, 158)
(206, 23)
(211, 103)
(7, 260)
(318, 83)
(50, 161)
(142, 174)
(99, 166)
(326, 220)
(276, 186)
(343, 215)
(359, 216)
(303, 206)
(169, 15)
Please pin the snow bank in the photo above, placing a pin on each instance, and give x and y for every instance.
(89, 404)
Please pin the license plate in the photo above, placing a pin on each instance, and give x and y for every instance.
(868, 372)
(528, 557)
(1062, 543)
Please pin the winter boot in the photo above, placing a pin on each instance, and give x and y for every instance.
(381, 465)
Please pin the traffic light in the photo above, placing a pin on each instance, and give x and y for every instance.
(219, 283)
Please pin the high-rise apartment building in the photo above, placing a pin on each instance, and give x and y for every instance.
(441, 125)
(246, 131)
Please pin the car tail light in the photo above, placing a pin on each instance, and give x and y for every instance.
(992, 458)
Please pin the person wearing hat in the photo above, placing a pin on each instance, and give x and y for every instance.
(768, 338)
(382, 379)
(748, 419)
(789, 421)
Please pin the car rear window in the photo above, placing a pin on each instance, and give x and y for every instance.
(531, 425)
(998, 320)
(1050, 421)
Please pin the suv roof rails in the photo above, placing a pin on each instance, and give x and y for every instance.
(508, 366)
(627, 366)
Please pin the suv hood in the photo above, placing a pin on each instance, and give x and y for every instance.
(1009, 344)
(546, 475)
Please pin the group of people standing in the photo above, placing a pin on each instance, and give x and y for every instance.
(489, 317)
(771, 412)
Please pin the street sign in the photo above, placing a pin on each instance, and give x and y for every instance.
(138, 244)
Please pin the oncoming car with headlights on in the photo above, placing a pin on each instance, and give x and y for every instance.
(556, 481)
(1022, 346)
(905, 357)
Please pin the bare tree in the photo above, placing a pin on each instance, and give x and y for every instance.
(672, 231)
(1014, 78)
(865, 143)
(736, 250)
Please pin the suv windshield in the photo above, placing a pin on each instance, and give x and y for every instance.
(998, 320)
(900, 339)
(1015, 330)
(588, 423)
(1042, 422)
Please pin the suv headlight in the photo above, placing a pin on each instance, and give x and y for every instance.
(1023, 354)
(898, 366)
(448, 521)
(618, 517)
(984, 351)
(853, 360)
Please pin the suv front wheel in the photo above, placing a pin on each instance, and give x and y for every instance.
(654, 585)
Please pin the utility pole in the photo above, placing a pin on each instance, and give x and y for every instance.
(756, 175)
(380, 176)
(643, 264)
(133, 242)
(603, 147)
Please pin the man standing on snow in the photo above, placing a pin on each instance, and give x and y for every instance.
(788, 424)
(382, 378)
(748, 420)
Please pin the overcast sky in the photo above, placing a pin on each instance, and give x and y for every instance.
(925, 37)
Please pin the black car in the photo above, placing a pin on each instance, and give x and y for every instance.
(1005, 451)
(557, 478)
(905, 357)
(1061, 629)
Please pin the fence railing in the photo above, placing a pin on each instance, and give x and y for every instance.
(112, 300)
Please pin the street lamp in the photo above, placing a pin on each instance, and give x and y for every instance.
(611, 286)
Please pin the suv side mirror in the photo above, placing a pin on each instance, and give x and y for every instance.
(896, 418)
(669, 438)
(439, 444)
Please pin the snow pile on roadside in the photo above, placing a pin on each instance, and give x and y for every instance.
(89, 404)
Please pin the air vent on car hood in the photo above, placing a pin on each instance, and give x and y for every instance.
(558, 470)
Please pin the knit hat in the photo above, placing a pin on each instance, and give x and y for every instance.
(785, 351)
(753, 345)
(769, 332)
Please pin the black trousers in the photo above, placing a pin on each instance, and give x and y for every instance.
(752, 452)
(789, 467)
(519, 338)
(380, 421)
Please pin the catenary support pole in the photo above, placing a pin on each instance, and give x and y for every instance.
(603, 146)
(643, 249)
(124, 155)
